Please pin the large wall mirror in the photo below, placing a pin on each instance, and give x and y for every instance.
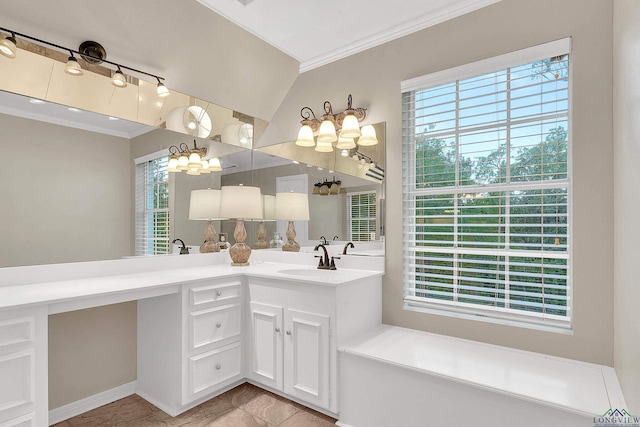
(68, 172)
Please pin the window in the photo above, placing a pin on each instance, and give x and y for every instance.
(361, 211)
(152, 206)
(487, 188)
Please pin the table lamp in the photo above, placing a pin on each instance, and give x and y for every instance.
(292, 207)
(240, 202)
(268, 214)
(205, 205)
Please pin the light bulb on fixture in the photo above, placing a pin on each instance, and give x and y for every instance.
(327, 132)
(350, 127)
(214, 164)
(161, 89)
(324, 147)
(8, 46)
(345, 143)
(73, 67)
(205, 166)
(305, 137)
(173, 164)
(183, 162)
(368, 137)
(195, 162)
(118, 79)
(345, 153)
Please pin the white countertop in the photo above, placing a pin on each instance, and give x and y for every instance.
(59, 291)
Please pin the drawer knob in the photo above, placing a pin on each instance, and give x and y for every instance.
(218, 324)
(218, 366)
(218, 293)
(278, 330)
(288, 332)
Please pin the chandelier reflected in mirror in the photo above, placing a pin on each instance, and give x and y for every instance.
(192, 160)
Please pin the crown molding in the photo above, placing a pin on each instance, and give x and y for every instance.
(409, 27)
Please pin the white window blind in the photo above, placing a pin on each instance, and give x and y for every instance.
(152, 207)
(362, 212)
(486, 197)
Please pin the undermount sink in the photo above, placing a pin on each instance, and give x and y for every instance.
(307, 272)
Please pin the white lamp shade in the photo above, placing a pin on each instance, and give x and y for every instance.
(72, 67)
(305, 137)
(173, 165)
(214, 164)
(324, 147)
(161, 90)
(183, 162)
(292, 206)
(350, 127)
(327, 132)
(205, 166)
(241, 202)
(195, 162)
(268, 207)
(205, 204)
(345, 143)
(8, 47)
(118, 79)
(368, 136)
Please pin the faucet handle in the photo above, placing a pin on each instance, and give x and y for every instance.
(320, 264)
(333, 264)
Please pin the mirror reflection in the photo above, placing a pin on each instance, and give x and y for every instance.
(72, 188)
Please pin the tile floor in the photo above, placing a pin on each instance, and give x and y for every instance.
(243, 406)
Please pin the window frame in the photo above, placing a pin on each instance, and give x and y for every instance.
(477, 311)
(145, 162)
(350, 218)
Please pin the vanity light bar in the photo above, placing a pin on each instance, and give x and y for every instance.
(8, 44)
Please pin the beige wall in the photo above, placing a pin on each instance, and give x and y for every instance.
(626, 108)
(91, 351)
(64, 193)
(373, 78)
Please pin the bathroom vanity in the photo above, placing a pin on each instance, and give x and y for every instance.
(203, 326)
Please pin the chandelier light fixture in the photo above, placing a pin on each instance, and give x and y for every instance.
(326, 188)
(191, 160)
(90, 51)
(342, 128)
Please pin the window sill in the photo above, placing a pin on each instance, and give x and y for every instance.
(423, 307)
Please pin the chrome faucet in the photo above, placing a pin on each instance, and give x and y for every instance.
(324, 263)
(335, 238)
(348, 245)
(323, 240)
(183, 250)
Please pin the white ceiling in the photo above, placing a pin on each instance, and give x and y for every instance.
(318, 32)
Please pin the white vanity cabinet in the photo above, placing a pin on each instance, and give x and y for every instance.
(295, 328)
(189, 344)
(23, 367)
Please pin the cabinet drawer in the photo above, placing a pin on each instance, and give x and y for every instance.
(214, 325)
(200, 296)
(23, 421)
(208, 369)
(17, 373)
(17, 331)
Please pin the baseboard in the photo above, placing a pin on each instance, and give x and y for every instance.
(92, 402)
(339, 424)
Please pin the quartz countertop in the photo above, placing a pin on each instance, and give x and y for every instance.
(59, 291)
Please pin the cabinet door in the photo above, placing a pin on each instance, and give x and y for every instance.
(266, 335)
(306, 356)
